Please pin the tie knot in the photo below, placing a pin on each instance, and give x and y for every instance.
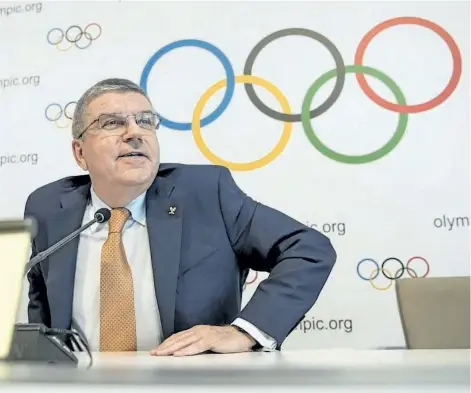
(118, 219)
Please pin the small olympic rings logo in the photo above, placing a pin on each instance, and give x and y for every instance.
(61, 117)
(74, 35)
(251, 278)
(390, 273)
(306, 114)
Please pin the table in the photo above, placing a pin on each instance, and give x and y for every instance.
(332, 359)
(330, 371)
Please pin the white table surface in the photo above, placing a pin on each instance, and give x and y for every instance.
(322, 371)
(333, 358)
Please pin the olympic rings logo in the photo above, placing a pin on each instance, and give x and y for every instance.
(251, 278)
(387, 269)
(74, 35)
(306, 115)
(60, 116)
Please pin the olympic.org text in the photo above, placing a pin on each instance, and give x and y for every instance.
(34, 80)
(451, 223)
(316, 325)
(332, 228)
(31, 158)
(20, 8)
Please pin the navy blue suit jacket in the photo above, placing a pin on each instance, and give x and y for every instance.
(200, 255)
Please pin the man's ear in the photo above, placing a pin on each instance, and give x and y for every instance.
(77, 149)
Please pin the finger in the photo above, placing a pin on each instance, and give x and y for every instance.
(208, 342)
(197, 329)
(193, 349)
(175, 338)
(177, 345)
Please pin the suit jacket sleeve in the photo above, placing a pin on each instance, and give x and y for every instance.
(38, 306)
(298, 258)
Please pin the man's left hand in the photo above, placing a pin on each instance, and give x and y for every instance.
(198, 339)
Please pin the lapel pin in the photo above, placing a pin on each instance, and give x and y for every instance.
(172, 210)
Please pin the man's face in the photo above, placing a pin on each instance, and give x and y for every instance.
(102, 152)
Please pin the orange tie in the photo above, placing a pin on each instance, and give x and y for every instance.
(117, 316)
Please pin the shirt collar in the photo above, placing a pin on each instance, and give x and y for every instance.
(136, 207)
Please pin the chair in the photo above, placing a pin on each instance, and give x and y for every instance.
(435, 312)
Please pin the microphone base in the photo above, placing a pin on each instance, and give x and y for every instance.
(32, 344)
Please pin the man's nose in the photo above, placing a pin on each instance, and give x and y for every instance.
(133, 131)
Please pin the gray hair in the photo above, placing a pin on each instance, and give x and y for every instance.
(105, 86)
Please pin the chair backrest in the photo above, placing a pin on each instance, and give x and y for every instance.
(435, 312)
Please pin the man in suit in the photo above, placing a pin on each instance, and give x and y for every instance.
(166, 272)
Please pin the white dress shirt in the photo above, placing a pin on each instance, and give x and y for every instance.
(86, 303)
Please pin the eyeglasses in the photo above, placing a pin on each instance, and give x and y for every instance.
(115, 123)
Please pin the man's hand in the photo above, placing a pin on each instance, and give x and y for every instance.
(198, 339)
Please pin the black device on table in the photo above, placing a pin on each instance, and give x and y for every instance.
(37, 343)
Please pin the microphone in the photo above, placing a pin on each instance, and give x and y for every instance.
(34, 342)
(102, 215)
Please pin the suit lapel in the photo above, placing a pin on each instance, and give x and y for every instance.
(164, 220)
(60, 266)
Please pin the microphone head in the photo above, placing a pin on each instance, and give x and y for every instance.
(102, 215)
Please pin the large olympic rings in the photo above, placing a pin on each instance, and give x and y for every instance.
(230, 78)
(387, 272)
(381, 152)
(402, 108)
(339, 81)
(61, 117)
(74, 35)
(275, 152)
(307, 114)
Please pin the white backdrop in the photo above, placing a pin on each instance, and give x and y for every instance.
(412, 201)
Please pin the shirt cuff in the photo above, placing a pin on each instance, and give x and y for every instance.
(268, 343)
